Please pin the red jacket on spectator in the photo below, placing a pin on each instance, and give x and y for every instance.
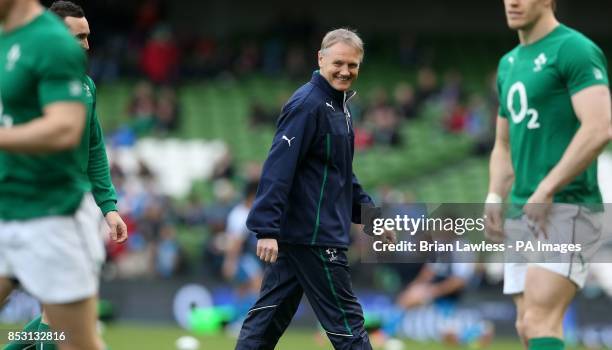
(159, 60)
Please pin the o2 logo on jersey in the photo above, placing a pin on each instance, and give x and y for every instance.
(524, 110)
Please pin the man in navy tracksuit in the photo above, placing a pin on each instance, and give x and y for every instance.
(306, 200)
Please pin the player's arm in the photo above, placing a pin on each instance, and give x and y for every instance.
(60, 128)
(501, 172)
(501, 177)
(98, 172)
(98, 169)
(298, 126)
(59, 69)
(584, 69)
(593, 108)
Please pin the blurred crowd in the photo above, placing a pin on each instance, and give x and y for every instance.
(163, 57)
(152, 111)
(382, 116)
(166, 55)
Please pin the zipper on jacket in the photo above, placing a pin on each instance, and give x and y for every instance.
(347, 114)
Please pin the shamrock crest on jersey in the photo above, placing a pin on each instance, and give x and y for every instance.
(12, 57)
(539, 62)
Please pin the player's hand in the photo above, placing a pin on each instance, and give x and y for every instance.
(118, 228)
(536, 210)
(267, 249)
(389, 237)
(494, 222)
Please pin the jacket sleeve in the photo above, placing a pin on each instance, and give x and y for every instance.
(98, 170)
(360, 197)
(295, 132)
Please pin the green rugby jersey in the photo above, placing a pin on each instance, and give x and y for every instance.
(92, 154)
(40, 64)
(535, 84)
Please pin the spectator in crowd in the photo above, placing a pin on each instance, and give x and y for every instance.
(260, 115)
(437, 282)
(148, 15)
(380, 124)
(224, 199)
(160, 57)
(200, 57)
(385, 129)
(408, 51)
(431, 301)
(456, 118)
(405, 101)
(217, 213)
(272, 56)
(167, 252)
(105, 67)
(225, 167)
(152, 221)
(379, 98)
(296, 62)
(427, 87)
(167, 110)
(150, 111)
(142, 103)
(252, 171)
(452, 91)
(240, 265)
(192, 214)
(479, 124)
(248, 59)
(141, 108)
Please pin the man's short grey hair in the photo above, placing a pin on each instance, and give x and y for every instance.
(344, 35)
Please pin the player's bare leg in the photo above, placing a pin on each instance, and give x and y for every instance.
(546, 297)
(519, 302)
(78, 321)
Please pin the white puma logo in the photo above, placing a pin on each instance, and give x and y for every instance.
(288, 139)
(328, 104)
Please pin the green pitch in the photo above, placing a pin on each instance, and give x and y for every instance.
(124, 336)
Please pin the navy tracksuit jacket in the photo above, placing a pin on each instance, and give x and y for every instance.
(307, 198)
(308, 193)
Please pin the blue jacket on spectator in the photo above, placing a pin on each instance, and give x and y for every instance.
(308, 193)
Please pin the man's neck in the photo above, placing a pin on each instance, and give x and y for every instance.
(542, 27)
(22, 13)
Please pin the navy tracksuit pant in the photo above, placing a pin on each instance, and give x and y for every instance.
(323, 275)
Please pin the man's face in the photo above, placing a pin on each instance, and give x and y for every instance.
(522, 14)
(5, 7)
(339, 65)
(79, 27)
